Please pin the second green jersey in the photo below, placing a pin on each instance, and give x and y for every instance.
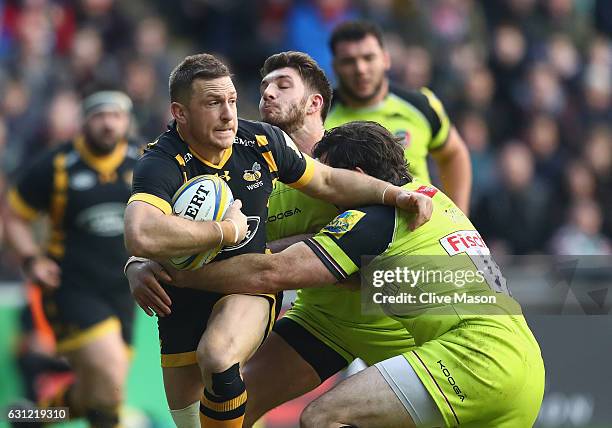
(418, 117)
(457, 279)
(291, 212)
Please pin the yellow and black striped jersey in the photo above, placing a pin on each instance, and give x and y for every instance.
(260, 155)
(85, 197)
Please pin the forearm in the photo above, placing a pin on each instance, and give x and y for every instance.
(349, 189)
(20, 237)
(280, 244)
(295, 267)
(158, 236)
(248, 273)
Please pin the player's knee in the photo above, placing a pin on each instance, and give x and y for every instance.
(217, 353)
(107, 390)
(106, 378)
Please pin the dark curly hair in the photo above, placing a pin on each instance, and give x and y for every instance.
(352, 31)
(367, 145)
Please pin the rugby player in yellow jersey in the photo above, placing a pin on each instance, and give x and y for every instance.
(364, 92)
(207, 337)
(476, 362)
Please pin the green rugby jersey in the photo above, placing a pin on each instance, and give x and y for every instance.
(448, 244)
(291, 212)
(416, 116)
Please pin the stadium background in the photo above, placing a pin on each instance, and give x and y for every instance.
(528, 83)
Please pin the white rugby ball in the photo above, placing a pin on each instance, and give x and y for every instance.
(205, 197)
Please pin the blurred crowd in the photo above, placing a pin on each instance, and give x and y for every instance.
(528, 84)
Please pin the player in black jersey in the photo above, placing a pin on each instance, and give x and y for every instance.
(205, 337)
(83, 186)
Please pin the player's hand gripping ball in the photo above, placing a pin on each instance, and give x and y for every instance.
(205, 197)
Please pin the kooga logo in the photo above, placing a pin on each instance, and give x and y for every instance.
(451, 381)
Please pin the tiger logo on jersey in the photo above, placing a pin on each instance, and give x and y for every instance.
(343, 223)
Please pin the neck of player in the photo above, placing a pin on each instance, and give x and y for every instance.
(308, 135)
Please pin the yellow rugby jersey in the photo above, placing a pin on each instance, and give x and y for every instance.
(448, 244)
(418, 117)
(260, 155)
(292, 212)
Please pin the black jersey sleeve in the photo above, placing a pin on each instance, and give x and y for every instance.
(432, 109)
(156, 179)
(294, 167)
(367, 231)
(33, 189)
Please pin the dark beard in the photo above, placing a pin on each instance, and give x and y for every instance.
(348, 92)
(97, 147)
(294, 119)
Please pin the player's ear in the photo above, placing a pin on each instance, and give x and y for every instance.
(387, 60)
(179, 112)
(359, 170)
(315, 103)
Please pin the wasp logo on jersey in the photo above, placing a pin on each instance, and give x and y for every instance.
(343, 223)
(252, 226)
(252, 174)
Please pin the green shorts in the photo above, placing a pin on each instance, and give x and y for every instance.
(371, 338)
(483, 375)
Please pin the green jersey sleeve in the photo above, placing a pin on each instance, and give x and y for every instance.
(340, 245)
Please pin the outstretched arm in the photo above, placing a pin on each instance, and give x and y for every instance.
(296, 267)
(348, 189)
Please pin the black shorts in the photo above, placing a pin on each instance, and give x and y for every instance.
(80, 315)
(323, 359)
(181, 331)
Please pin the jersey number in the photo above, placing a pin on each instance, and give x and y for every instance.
(491, 272)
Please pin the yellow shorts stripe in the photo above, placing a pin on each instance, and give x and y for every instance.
(156, 201)
(179, 360)
(89, 335)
